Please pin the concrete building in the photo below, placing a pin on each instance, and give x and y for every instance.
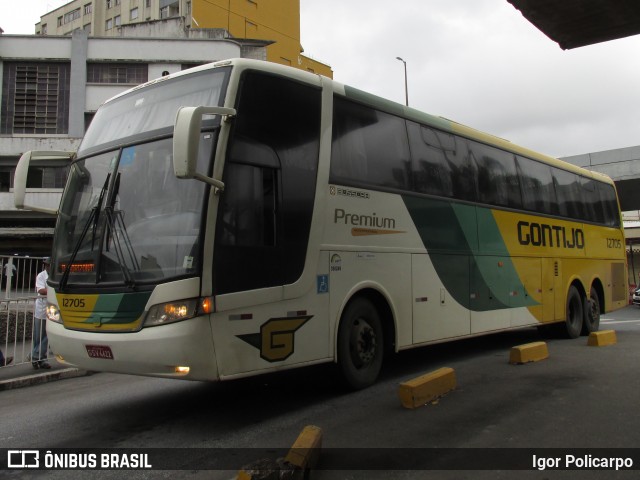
(89, 50)
(51, 87)
(277, 22)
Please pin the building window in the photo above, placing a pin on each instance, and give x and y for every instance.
(35, 98)
(188, 8)
(251, 29)
(5, 178)
(186, 66)
(117, 2)
(134, 13)
(108, 24)
(148, 4)
(47, 177)
(38, 177)
(60, 19)
(88, 118)
(44, 29)
(88, 8)
(164, 12)
(71, 16)
(117, 20)
(129, 73)
(109, 4)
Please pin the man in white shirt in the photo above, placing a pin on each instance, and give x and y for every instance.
(40, 340)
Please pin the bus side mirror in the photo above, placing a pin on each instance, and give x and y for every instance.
(186, 141)
(22, 171)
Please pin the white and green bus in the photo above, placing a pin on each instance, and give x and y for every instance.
(244, 217)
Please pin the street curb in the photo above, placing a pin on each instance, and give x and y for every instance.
(39, 378)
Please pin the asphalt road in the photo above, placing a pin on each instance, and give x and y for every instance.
(580, 397)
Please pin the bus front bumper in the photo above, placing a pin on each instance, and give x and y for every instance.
(182, 350)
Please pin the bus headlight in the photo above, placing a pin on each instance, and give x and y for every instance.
(170, 312)
(53, 313)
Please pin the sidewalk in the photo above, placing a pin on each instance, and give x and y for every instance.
(24, 375)
(16, 311)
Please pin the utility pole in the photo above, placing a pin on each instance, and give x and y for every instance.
(406, 86)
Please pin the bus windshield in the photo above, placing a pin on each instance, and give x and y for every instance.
(125, 219)
(153, 107)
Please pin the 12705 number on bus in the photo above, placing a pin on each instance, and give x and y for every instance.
(614, 243)
(73, 302)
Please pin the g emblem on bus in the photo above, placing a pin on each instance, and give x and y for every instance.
(276, 340)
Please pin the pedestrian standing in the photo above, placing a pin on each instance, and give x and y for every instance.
(40, 340)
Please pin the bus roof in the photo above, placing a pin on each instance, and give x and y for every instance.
(383, 104)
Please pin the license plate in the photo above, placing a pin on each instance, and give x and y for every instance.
(100, 351)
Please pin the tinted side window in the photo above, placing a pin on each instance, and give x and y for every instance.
(538, 192)
(464, 172)
(249, 207)
(569, 193)
(431, 170)
(594, 211)
(610, 204)
(498, 182)
(265, 211)
(369, 147)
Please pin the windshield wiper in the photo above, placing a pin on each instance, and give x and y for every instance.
(96, 210)
(117, 228)
(93, 218)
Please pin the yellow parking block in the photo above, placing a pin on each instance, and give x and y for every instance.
(602, 338)
(421, 390)
(301, 458)
(306, 449)
(530, 352)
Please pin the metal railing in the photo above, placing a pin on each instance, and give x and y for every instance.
(19, 276)
(17, 304)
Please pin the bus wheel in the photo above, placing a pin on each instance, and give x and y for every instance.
(592, 314)
(360, 344)
(574, 318)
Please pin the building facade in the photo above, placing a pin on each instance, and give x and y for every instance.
(90, 50)
(51, 87)
(277, 22)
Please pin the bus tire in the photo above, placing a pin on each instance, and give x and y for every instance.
(575, 313)
(360, 344)
(592, 313)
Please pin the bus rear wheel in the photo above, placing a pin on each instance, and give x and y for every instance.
(360, 344)
(575, 313)
(592, 314)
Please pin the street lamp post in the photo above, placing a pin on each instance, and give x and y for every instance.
(406, 87)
